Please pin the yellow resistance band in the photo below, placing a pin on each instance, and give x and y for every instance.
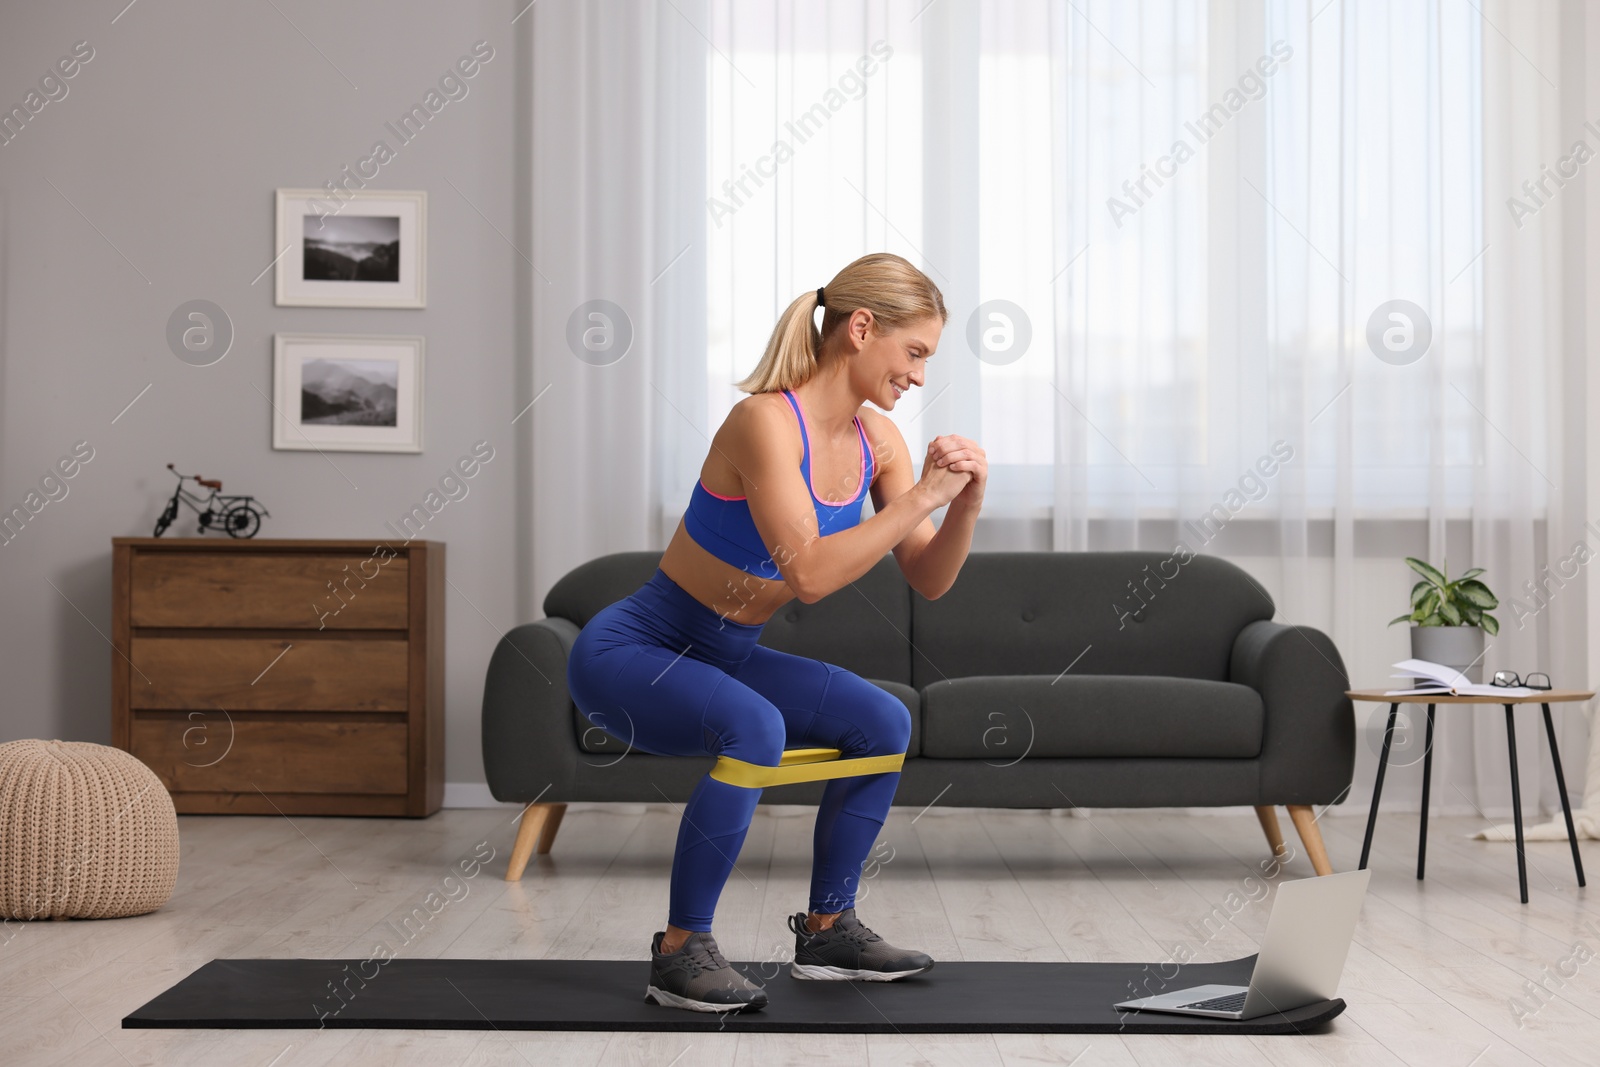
(802, 765)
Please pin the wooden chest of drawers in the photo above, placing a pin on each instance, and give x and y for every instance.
(280, 676)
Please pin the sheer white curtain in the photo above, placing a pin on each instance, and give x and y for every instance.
(1380, 170)
(1161, 229)
(614, 410)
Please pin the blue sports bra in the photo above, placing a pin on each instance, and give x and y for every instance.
(723, 527)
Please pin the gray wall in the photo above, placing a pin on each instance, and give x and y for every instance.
(150, 183)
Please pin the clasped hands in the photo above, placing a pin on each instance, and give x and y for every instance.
(962, 454)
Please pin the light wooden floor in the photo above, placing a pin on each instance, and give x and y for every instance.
(1432, 978)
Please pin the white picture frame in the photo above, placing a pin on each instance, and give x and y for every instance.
(321, 237)
(342, 392)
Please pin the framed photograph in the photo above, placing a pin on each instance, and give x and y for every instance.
(347, 392)
(364, 248)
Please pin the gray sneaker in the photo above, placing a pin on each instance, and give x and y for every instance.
(698, 977)
(848, 950)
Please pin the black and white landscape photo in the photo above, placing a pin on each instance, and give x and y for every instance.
(349, 392)
(364, 249)
(352, 248)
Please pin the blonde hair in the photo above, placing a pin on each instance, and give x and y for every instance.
(896, 293)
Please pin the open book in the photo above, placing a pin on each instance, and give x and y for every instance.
(1444, 679)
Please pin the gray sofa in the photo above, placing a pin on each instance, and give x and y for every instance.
(1040, 680)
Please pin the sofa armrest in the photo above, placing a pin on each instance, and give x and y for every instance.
(529, 750)
(1308, 736)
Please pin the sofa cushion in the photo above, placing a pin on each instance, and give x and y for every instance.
(593, 739)
(1148, 613)
(1002, 718)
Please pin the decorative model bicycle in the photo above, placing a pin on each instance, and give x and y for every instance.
(239, 516)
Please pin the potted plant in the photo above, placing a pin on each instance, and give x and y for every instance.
(1449, 618)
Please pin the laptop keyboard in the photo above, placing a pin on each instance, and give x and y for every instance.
(1231, 1002)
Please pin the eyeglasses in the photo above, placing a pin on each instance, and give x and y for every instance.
(1536, 680)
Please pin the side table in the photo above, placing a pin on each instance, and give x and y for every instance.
(1544, 697)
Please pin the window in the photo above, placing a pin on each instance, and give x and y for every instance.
(1196, 225)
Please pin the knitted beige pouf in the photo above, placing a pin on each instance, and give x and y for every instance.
(86, 832)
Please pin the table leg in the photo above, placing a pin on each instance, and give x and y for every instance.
(1377, 786)
(1516, 804)
(1561, 787)
(1427, 774)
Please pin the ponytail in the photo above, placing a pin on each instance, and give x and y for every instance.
(896, 293)
(791, 355)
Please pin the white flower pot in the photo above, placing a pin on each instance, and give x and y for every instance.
(1460, 647)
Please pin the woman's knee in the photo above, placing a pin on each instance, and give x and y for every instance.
(761, 747)
(883, 718)
(897, 722)
(744, 725)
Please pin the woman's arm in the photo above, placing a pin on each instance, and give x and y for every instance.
(936, 566)
(814, 565)
(931, 559)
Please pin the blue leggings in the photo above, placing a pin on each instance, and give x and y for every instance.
(670, 676)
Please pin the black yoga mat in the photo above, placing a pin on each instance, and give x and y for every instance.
(465, 994)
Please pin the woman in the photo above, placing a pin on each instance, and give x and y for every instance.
(777, 515)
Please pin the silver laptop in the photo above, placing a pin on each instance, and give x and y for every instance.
(1302, 954)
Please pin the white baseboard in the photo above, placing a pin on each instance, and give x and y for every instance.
(477, 795)
(472, 795)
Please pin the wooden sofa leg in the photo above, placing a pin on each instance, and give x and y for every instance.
(1305, 821)
(552, 823)
(537, 830)
(1268, 814)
